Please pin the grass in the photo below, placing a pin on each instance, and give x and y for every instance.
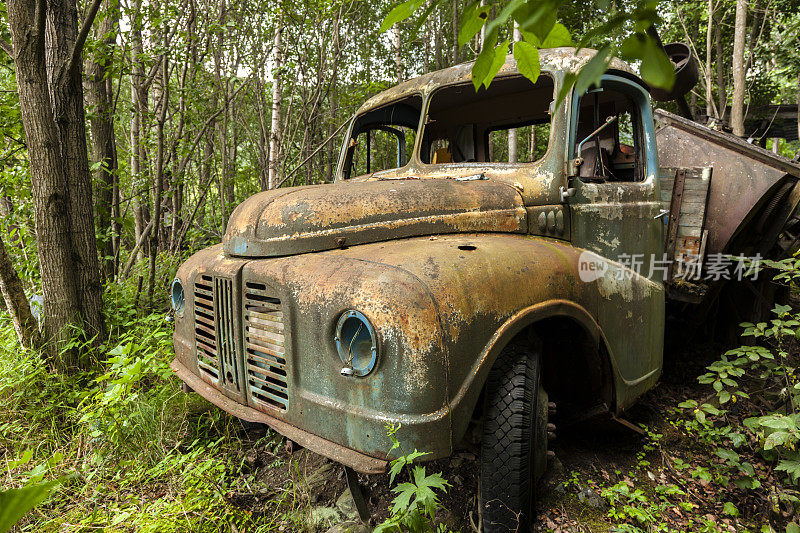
(132, 451)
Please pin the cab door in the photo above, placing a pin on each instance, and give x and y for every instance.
(615, 209)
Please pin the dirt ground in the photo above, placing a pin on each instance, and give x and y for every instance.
(569, 501)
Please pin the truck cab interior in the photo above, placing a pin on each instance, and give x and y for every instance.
(609, 137)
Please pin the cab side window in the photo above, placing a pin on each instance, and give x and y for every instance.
(609, 139)
(383, 139)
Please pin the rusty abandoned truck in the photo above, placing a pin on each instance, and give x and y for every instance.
(436, 285)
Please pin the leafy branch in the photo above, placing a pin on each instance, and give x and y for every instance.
(538, 25)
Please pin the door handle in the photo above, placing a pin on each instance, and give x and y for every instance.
(661, 213)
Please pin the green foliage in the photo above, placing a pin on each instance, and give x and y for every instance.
(131, 451)
(638, 511)
(536, 20)
(414, 507)
(754, 436)
(14, 503)
(134, 364)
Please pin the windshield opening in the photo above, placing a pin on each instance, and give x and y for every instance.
(509, 122)
(383, 139)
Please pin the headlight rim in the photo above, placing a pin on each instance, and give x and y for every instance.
(341, 348)
(180, 305)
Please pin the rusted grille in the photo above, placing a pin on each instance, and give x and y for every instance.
(265, 347)
(226, 337)
(205, 329)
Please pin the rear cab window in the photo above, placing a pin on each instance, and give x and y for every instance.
(466, 126)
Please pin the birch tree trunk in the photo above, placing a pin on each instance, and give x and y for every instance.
(277, 99)
(512, 133)
(158, 181)
(398, 58)
(455, 32)
(139, 100)
(739, 70)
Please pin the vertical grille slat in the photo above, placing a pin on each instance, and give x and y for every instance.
(205, 334)
(226, 340)
(264, 343)
(214, 330)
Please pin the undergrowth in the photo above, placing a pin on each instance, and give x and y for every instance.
(127, 449)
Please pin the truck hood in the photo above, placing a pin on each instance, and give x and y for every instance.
(322, 217)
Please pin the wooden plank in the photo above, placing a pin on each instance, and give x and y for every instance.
(691, 219)
(689, 231)
(264, 337)
(275, 316)
(277, 351)
(692, 183)
(269, 325)
(674, 214)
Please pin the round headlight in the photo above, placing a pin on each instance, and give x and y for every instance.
(178, 298)
(356, 343)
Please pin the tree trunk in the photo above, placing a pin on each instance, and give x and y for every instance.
(512, 133)
(66, 87)
(427, 63)
(709, 44)
(49, 180)
(99, 96)
(277, 97)
(158, 182)
(739, 70)
(139, 100)
(17, 304)
(398, 58)
(722, 90)
(437, 40)
(455, 32)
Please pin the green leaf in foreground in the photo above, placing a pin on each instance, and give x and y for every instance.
(558, 36)
(537, 18)
(14, 503)
(399, 13)
(527, 57)
(590, 74)
(499, 60)
(473, 20)
(657, 70)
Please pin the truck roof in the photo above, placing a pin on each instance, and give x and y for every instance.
(554, 60)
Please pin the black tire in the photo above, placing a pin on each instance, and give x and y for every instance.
(514, 445)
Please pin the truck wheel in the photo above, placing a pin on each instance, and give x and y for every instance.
(514, 445)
